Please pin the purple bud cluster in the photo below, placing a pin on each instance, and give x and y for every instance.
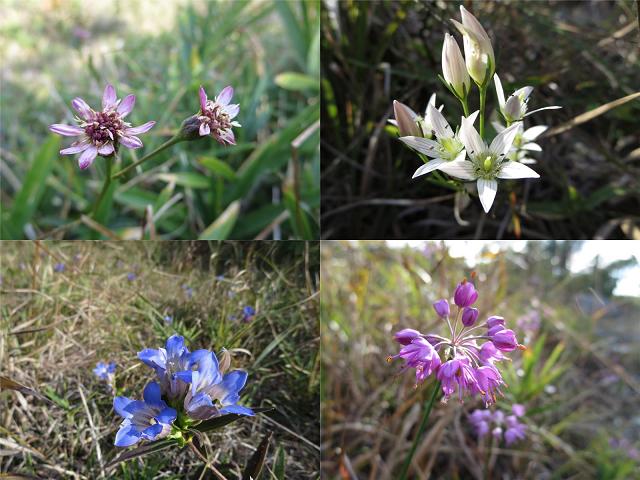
(499, 424)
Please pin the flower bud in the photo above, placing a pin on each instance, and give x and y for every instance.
(469, 316)
(453, 67)
(465, 294)
(442, 308)
(505, 340)
(478, 51)
(494, 320)
(406, 119)
(225, 360)
(406, 336)
(190, 129)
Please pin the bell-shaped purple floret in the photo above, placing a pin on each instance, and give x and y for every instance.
(167, 362)
(406, 336)
(150, 419)
(465, 294)
(457, 372)
(442, 308)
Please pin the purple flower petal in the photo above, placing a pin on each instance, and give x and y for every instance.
(66, 130)
(232, 110)
(203, 99)
(106, 149)
(81, 147)
(228, 137)
(225, 96)
(83, 109)
(109, 97)
(88, 156)
(141, 129)
(204, 129)
(130, 142)
(126, 105)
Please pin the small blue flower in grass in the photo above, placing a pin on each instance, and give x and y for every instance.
(248, 313)
(150, 419)
(131, 276)
(168, 319)
(167, 362)
(188, 290)
(103, 370)
(58, 267)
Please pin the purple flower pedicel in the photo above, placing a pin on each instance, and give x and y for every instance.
(458, 361)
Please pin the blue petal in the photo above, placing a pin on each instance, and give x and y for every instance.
(175, 346)
(199, 400)
(197, 356)
(120, 404)
(111, 368)
(152, 432)
(152, 395)
(238, 409)
(126, 436)
(234, 381)
(184, 376)
(134, 407)
(154, 358)
(167, 416)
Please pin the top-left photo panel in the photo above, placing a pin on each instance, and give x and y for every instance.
(163, 119)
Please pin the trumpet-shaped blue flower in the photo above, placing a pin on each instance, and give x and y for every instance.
(150, 419)
(167, 362)
(103, 370)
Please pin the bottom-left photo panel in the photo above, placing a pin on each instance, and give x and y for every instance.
(168, 360)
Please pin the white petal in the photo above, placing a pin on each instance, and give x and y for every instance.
(512, 170)
(472, 118)
(487, 190)
(504, 140)
(497, 126)
(422, 145)
(553, 107)
(470, 137)
(499, 91)
(430, 166)
(204, 129)
(232, 110)
(438, 122)
(459, 168)
(523, 93)
(393, 122)
(527, 161)
(534, 132)
(532, 147)
(225, 96)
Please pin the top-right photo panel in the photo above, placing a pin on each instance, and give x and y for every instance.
(485, 120)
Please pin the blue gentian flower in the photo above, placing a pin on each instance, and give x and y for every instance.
(167, 362)
(248, 313)
(103, 370)
(168, 319)
(188, 290)
(131, 276)
(212, 394)
(148, 420)
(58, 267)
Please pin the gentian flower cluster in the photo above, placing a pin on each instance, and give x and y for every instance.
(190, 387)
(485, 421)
(465, 154)
(458, 360)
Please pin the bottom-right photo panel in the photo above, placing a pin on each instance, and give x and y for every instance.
(472, 359)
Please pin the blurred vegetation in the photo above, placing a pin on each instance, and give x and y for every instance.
(579, 378)
(266, 186)
(57, 324)
(581, 55)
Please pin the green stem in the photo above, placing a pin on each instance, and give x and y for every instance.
(164, 146)
(465, 106)
(105, 187)
(421, 429)
(483, 100)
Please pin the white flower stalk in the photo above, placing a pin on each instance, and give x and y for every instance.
(514, 108)
(524, 142)
(401, 109)
(446, 148)
(488, 163)
(478, 52)
(453, 68)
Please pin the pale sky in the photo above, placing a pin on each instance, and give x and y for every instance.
(608, 250)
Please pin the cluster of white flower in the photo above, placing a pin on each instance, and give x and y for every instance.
(465, 154)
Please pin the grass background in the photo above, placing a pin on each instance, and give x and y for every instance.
(57, 325)
(266, 186)
(581, 55)
(579, 378)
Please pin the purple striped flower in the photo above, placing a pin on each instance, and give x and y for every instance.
(216, 117)
(101, 132)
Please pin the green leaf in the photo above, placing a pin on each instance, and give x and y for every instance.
(223, 420)
(254, 467)
(222, 226)
(279, 468)
(293, 29)
(186, 179)
(218, 167)
(27, 200)
(297, 82)
(297, 216)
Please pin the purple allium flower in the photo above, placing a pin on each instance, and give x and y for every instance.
(421, 355)
(131, 276)
(442, 308)
(483, 420)
(497, 433)
(515, 430)
(505, 340)
(458, 372)
(469, 316)
(465, 294)
(58, 267)
(211, 393)
(150, 419)
(103, 370)
(489, 354)
(406, 336)
(495, 320)
(518, 409)
(167, 362)
(488, 380)
(248, 313)
(101, 132)
(216, 118)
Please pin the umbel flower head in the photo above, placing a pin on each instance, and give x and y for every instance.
(457, 359)
(101, 132)
(191, 387)
(216, 117)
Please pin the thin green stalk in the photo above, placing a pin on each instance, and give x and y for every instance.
(105, 187)
(465, 106)
(421, 429)
(483, 100)
(164, 146)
